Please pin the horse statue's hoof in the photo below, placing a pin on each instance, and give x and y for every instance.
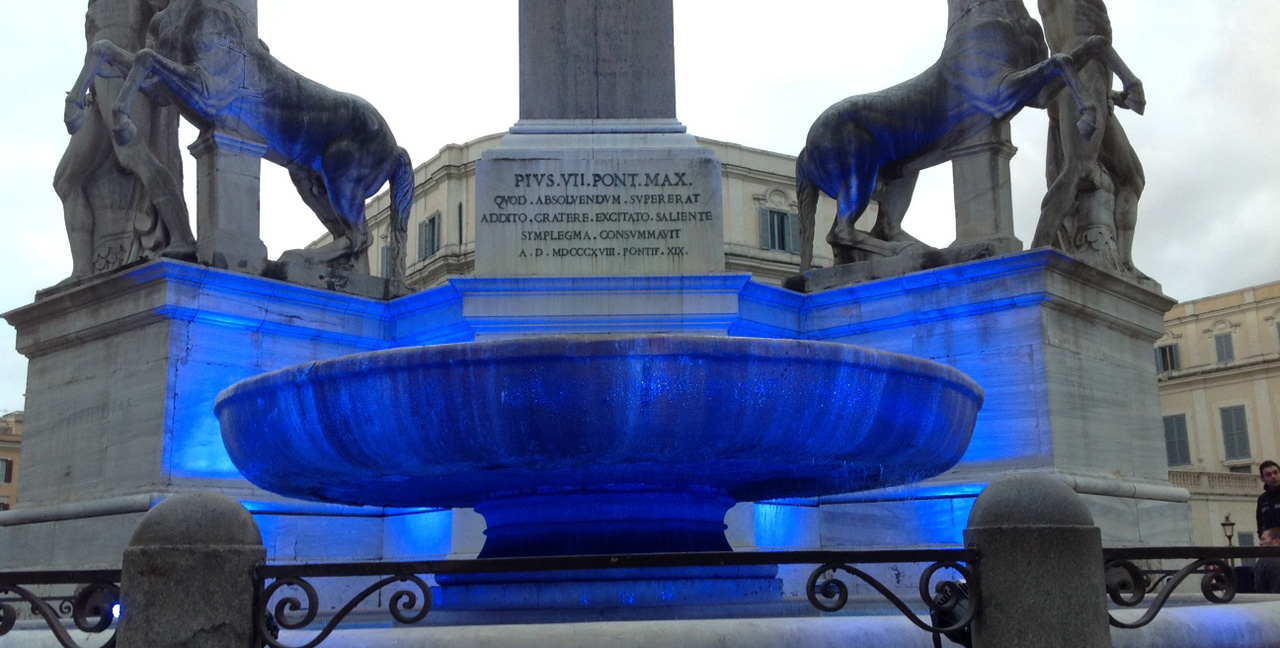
(180, 252)
(1088, 123)
(1136, 99)
(125, 131)
(73, 117)
(296, 256)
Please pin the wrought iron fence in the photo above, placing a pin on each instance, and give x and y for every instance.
(90, 606)
(952, 604)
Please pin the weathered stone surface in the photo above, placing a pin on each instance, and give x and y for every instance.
(188, 575)
(597, 59)
(603, 204)
(120, 203)
(1041, 567)
(1091, 207)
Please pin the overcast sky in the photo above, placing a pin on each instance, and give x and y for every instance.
(752, 72)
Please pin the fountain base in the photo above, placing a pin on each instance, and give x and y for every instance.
(610, 588)
(613, 519)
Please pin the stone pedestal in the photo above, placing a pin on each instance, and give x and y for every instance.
(122, 376)
(1063, 351)
(598, 177)
(592, 197)
(228, 172)
(124, 371)
(983, 194)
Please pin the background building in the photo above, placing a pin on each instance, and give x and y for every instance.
(1219, 377)
(761, 230)
(10, 458)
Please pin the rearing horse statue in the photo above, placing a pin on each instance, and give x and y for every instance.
(994, 62)
(205, 57)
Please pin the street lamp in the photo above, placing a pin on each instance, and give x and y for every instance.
(1229, 530)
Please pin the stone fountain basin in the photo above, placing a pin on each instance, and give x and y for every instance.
(456, 425)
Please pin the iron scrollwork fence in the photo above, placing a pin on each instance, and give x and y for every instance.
(287, 599)
(279, 608)
(91, 608)
(1128, 584)
(952, 605)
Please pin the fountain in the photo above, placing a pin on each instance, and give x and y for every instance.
(600, 444)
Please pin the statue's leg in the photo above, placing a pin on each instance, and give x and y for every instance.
(183, 81)
(1119, 158)
(86, 151)
(1133, 97)
(311, 188)
(858, 168)
(165, 194)
(894, 198)
(1079, 155)
(103, 59)
(343, 215)
(1055, 165)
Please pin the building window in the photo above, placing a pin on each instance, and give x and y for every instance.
(779, 230)
(1175, 440)
(6, 471)
(1226, 350)
(429, 236)
(388, 262)
(1167, 358)
(1235, 433)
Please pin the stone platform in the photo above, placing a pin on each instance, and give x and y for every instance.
(124, 371)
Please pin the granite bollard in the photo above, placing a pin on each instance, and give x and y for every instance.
(188, 575)
(1040, 567)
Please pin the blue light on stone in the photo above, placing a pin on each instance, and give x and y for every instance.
(599, 444)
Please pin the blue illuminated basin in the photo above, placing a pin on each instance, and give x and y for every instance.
(598, 444)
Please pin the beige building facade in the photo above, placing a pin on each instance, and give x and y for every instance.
(10, 458)
(761, 227)
(1219, 377)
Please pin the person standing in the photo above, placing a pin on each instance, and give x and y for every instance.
(1269, 501)
(1266, 571)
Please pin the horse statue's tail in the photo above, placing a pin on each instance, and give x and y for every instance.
(807, 195)
(401, 201)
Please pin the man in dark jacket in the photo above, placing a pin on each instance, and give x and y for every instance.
(1266, 571)
(1269, 500)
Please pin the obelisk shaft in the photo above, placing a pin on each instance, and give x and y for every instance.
(597, 59)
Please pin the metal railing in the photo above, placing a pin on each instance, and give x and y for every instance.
(952, 604)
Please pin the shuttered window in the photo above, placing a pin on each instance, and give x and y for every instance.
(779, 230)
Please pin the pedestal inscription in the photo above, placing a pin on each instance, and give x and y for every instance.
(611, 216)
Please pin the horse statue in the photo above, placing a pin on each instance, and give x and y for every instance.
(205, 57)
(994, 62)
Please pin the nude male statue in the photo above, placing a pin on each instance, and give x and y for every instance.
(1094, 183)
(130, 194)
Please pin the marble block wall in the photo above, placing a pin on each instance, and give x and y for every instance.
(124, 372)
(122, 377)
(1064, 354)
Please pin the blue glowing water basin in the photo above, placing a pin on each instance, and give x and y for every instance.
(456, 425)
